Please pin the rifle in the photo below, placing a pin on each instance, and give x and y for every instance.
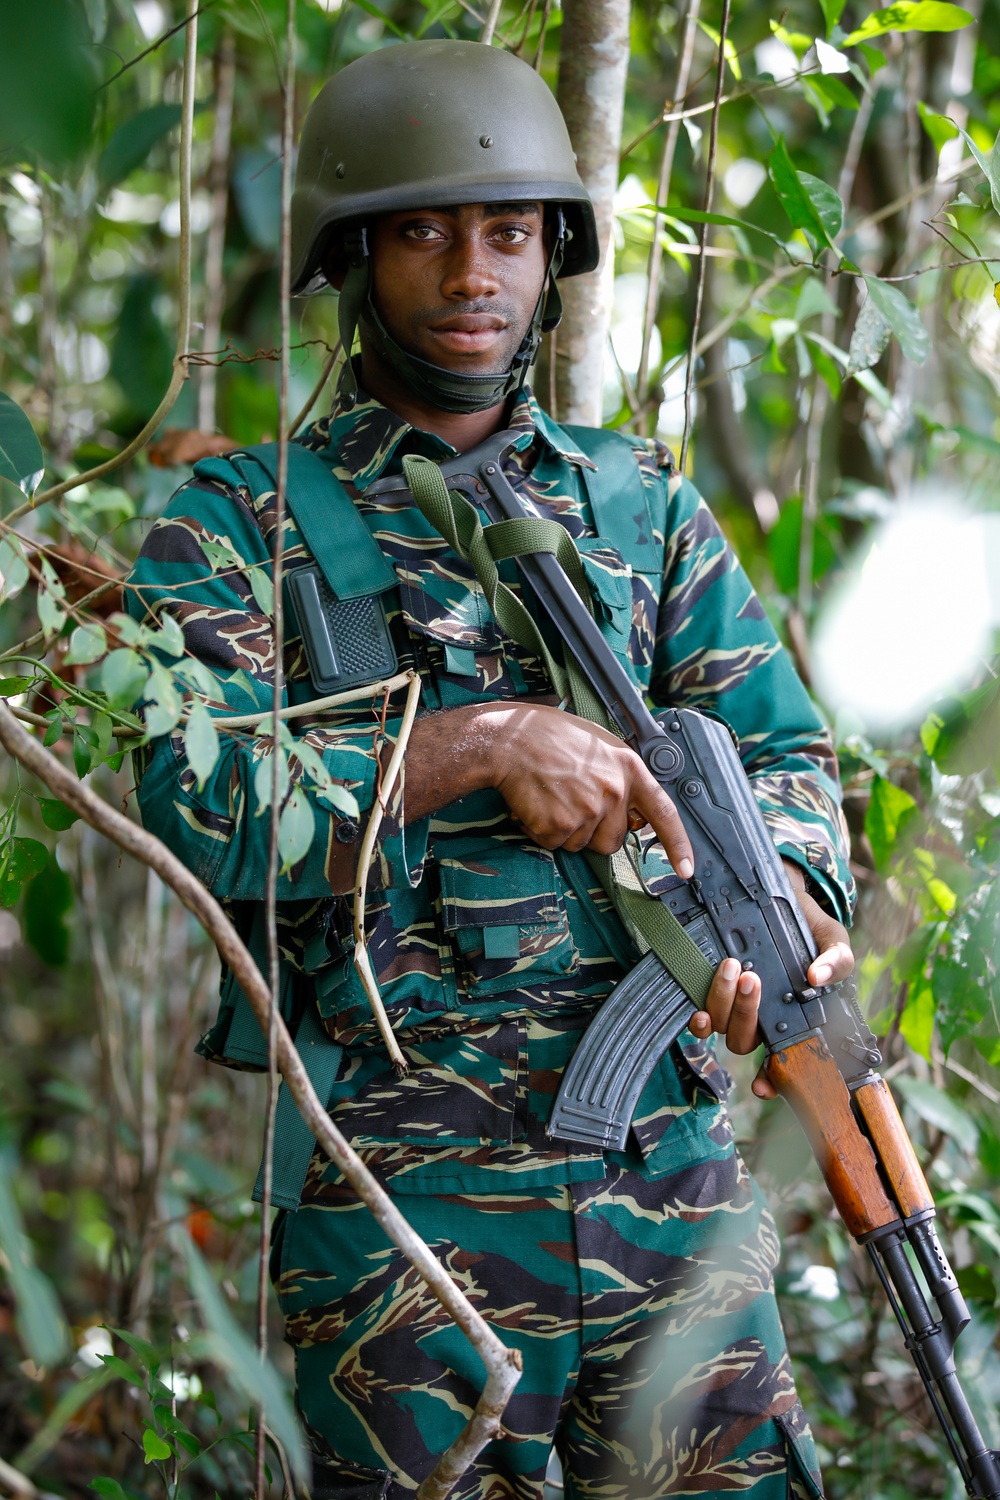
(821, 1055)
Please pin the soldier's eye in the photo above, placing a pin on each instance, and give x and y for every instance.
(422, 232)
(512, 234)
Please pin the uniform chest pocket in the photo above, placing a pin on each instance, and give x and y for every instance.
(441, 599)
(503, 911)
(609, 578)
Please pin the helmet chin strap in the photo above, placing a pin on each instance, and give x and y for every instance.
(441, 388)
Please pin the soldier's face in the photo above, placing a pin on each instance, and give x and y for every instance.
(458, 286)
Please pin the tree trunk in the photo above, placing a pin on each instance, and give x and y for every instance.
(592, 67)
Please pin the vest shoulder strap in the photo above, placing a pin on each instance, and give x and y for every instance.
(627, 512)
(331, 525)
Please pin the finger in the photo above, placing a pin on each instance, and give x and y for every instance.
(762, 1085)
(721, 996)
(649, 798)
(701, 1024)
(741, 1033)
(832, 965)
(609, 833)
(583, 837)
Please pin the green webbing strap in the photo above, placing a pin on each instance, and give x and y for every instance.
(293, 1140)
(332, 527)
(458, 521)
(245, 1042)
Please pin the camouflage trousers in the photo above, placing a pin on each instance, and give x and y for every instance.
(654, 1360)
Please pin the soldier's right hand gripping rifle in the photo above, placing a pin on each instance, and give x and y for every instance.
(821, 1055)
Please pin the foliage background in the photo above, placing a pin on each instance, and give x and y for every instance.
(118, 1149)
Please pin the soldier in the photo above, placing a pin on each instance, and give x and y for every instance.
(437, 190)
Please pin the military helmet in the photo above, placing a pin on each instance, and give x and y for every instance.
(430, 125)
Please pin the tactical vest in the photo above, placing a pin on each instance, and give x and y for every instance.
(490, 894)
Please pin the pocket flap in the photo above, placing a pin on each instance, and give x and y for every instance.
(501, 885)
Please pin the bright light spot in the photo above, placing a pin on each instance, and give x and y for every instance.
(151, 16)
(626, 322)
(24, 309)
(185, 1387)
(26, 186)
(10, 932)
(830, 60)
(124, 207)
(670, 419)
(201, 215)
(630, 194)
(743, 180)
(95, 1342)
(108, 264)
(694, 135)
(915, 618)
(774, 57)
(818, 1282)
(24, 221)
(330, 6)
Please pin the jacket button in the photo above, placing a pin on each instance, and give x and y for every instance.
(346, 832)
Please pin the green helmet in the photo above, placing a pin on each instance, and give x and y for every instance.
(430, 125)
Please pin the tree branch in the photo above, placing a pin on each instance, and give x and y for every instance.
(503, 1365)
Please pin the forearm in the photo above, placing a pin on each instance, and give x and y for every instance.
(450, 755)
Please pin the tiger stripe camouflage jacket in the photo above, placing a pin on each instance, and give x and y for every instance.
(487, 1023)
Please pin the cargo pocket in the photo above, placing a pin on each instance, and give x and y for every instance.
(504, 914)
(804, 1479)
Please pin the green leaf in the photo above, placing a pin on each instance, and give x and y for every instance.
(229, 1346)
(698, 216)
(263, 589)
(124, 675)
(938, 127)
(869, 338)
(20, 861)
(732, 56)
(296, 827)
(889, 812)
(87, 644)
(832, 12)
(47, 901)
(21, 458)
(133, 140)
(50, 81)
(940, 1111)
(875, 59)
(902, 317)
(14, 571)
(911, 15)
(86, 753)
(263, 778)
(826, 201)
(164, 706)
(201, 743)
(56, 815)
(54, 732)
(169, 637)
(916, 1025)
(961, 1000)
(110, 1489)
(123, 1369)
(39, 1319)
(13, 687)
(811, 205)
(155, 1447)
(147, 1352)
(51, 600)
(989, 164)
(962, 734)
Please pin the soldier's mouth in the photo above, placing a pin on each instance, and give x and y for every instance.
(468, 333)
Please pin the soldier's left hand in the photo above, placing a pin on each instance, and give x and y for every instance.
(734, 998)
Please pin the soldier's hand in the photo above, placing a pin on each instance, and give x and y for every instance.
(734, 998)
(574, 786)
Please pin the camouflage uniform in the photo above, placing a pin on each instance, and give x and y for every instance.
(491, 955)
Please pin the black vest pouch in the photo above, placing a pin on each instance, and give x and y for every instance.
(346, 641)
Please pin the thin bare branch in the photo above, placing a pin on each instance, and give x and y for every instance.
(278, 625)
(662, 194)
(490, 24)
(215, 289)
(704, 230)
(316, 391)
(362, 963)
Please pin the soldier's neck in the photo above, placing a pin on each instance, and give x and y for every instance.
(463, 430)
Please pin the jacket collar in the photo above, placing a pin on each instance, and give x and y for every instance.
(368, 440)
